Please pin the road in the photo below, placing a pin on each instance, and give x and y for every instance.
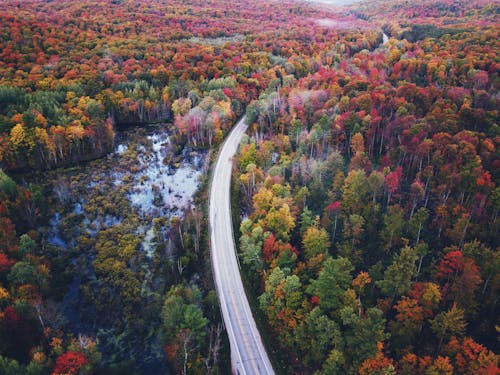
(248, 355)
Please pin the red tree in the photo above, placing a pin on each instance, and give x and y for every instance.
(471, 357)
(392, 181)
(70, 363)
(461, 278)
(5, 263)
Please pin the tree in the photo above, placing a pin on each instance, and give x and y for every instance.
(398, 276)
(449, 323)
(10, 366)
(362, 334)
(277, 253)
(19, 331)
(262, 202)
(408, 323)
(8, 239)
(173, 314)
(334, 364)
(7, 186)
(375, 185)
(421, 249)
(417, 222)
(488, 262)
(5, 263)
(280, 221)
(334, 209)
(281, 298)
(354, 192)
(22, 273)
(359, 284)
(410, 364)
(317, 336)
(250, 179)
(181, 106)
(195, 322)
(440, 366)
(266, 299)
(357, 144)
(393, 226)
(417, 193)
(177, 315)
(315, 241)
(184, 324)
(427, 294)
(332, 282)
(26, 245)
(469, 357)
(392, 181)
(354, 228)
(251, 242)
(70, 363)
(248, 156)
(378, 365)
(306, 220)
(461, 279)
(21, 139)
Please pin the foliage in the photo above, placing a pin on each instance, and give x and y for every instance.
(369, 180)
(388, 155)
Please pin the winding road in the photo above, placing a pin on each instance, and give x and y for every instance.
(248, 355)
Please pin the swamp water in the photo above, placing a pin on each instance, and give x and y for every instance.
(136, 173)
(113, 215)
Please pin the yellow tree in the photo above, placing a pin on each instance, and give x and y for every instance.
(280, 221)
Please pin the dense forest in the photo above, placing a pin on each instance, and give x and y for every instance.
(371, 198)
(368, 183)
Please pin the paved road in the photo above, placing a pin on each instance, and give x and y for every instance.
(248, 355)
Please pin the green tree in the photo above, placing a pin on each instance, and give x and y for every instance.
(417, 223)
(26, 245)
(362, 333)
(10, 367)
(194, 320)
(393, 226)
(281, 298)
(266, 299)
(306, 220)
(7, 186)
(332, 282)
(251, 242)
(397, 277)
(354, 228)
(183, 323)
(354, 192)
(317, 336)
(334, 364)
(173, 315)
(23, 273)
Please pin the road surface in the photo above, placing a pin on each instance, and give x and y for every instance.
(248, 355)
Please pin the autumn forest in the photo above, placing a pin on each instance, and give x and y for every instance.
(365, 192)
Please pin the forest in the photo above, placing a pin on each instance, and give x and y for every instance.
(366, 188)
